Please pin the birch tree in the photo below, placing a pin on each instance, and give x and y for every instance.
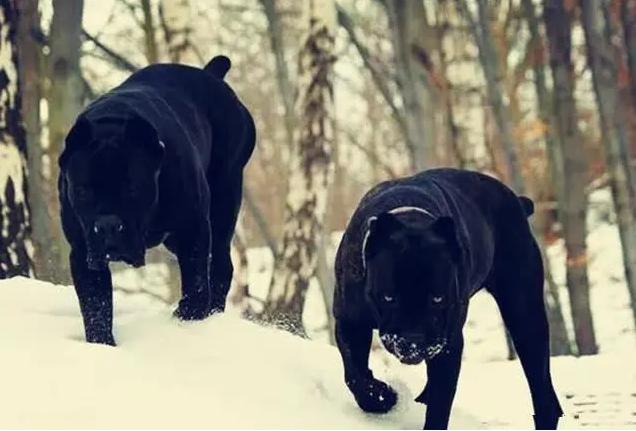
(614, 134)
(66, 100)
(15, 246)
(311, 169)
(570, 172)
(30, 77)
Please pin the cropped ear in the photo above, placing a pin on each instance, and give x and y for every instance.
(444, 227)
(80, 134)
(141, 133)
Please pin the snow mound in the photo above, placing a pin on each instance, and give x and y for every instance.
(221, 373)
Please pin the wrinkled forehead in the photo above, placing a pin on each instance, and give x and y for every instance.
(95, 164)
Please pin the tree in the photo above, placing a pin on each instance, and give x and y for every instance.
(30, 77)
(176, 20)
(66, 101)
(614, 134)
(490, 62)
(412, 38)
(15, 229)
(559, 340)
(311, 170)
(571, 177)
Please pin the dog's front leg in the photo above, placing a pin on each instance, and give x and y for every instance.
(354, 343)
(442, 372)
(95, 293)
(193, 253)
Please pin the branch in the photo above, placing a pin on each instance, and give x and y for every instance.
(380, 82)
(119, 60)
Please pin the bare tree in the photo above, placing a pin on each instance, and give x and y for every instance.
(150, 31)
(614, 133)
(490, 62)
(15, 229)
(559, 340)
(66, 100)
(413, 37)
(571, 177)
(176, 21)
(311, 170)
(30, 70)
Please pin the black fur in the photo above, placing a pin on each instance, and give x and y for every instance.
(158, 159)
(410, 274)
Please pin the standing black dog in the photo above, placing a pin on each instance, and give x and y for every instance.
(158, 159)
(415, 251)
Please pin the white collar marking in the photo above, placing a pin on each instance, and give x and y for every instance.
(398, 210)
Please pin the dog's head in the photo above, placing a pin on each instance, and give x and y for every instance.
(111, 169)
(411, 283)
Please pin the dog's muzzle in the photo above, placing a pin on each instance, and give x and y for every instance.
(412, 352)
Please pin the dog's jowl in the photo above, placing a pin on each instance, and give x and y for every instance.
(413, 254)
(158, 159)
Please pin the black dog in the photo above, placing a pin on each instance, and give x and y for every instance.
(158, 159)
(415, 251)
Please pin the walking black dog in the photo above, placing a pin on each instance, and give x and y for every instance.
(415, 251)
(158, 159)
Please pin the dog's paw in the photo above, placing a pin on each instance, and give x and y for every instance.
(189, 310)
(372, 395)
(101, 338)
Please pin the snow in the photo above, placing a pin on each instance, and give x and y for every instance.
(230, 373)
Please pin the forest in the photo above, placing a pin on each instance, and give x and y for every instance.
(540, 94)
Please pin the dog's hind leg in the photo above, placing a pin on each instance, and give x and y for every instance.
(225, 205)
(517, 285)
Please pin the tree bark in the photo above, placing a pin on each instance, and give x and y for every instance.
(614, 134)
(411, 35)
(310, 173)
(149, 28)
(15, 229)
(628, 18)
(30, 76)
(285, 87)
(489, 59)
(571, 177)
(559, 340)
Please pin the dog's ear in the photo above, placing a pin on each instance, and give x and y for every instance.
(444, 227)
(80, 134)
(386, 230)
(141, 133)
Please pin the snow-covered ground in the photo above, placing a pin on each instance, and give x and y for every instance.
(229, 373)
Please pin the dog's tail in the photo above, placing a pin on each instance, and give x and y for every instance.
(218, 66)
(527, 205)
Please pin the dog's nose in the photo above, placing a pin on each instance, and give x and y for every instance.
(108, 226)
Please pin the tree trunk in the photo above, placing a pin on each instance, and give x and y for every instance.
(628, 17)
(239, 294)
(615, 137)
(15, 229)
(411, 37)
(176, 20)
(285, 87)
(559, 340)
(150, 40)
(311, 171)
(489, 59)
(570, 179)
(65, 101)
(30, 76)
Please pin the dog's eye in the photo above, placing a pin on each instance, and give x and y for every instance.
(83, 193)
(437, 300)
(388, 299)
